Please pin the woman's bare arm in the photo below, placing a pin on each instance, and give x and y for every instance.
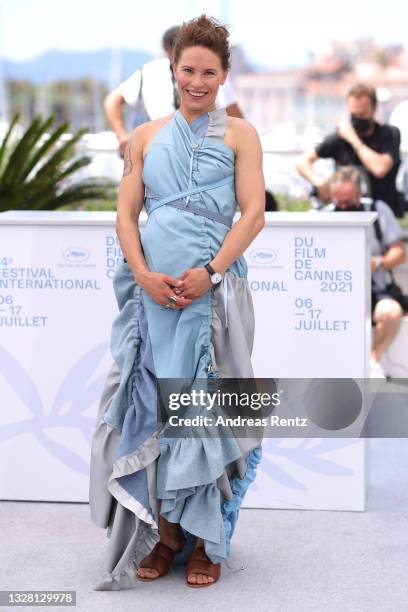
(130, 203)
(250, 192)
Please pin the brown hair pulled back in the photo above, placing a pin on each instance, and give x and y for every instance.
(206, 32)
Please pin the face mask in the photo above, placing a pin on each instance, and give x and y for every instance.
(361, 125)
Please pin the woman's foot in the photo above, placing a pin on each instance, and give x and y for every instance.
(174, 540)
(200, 570)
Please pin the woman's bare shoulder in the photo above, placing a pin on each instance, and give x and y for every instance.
(240, 132)
(241, 126)
(143, 134)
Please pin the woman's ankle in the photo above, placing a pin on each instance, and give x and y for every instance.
(172, 537)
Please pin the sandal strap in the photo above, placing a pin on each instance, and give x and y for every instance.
(199, 563)
(159, 559)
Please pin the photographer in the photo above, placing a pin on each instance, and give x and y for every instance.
(387, 249)
(363, 142)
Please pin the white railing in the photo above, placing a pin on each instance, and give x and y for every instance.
(279, 165)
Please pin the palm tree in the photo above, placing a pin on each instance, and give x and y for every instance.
(36, 172)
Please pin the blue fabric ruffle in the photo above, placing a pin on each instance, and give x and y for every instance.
(230, 508)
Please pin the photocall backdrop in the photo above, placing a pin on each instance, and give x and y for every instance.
(308, 276)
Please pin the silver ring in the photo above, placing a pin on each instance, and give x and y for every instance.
(173, 299)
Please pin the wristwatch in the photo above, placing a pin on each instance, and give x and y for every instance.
(216, 277)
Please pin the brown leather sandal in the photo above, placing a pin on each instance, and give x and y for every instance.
(199, 563)
(159, 559)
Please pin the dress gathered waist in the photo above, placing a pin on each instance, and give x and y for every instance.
(181, 200)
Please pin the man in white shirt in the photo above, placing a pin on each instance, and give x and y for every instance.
(155, 87)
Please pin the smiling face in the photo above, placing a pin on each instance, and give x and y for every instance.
(199, 74)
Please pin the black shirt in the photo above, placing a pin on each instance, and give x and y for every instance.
(384, 139)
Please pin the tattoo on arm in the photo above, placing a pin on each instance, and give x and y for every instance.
(128, 165)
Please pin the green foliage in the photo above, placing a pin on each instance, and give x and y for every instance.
(107, 205)
(34, 170)
(404, 222)
(292, 204)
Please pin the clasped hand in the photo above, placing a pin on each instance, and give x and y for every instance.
(192, 284)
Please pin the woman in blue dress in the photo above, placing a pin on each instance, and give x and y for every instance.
(185, 312)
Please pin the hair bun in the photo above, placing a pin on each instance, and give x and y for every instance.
(206, 32)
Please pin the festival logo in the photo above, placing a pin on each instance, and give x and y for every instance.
(263, 259)
(262, 256)
(76, 257)
(76, 254)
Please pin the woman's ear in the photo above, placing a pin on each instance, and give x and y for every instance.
(224, 77)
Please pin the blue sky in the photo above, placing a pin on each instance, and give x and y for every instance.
(271, 33)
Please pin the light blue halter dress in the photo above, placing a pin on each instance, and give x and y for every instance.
(137, 473)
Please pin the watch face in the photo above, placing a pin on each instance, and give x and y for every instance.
(216, 278)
